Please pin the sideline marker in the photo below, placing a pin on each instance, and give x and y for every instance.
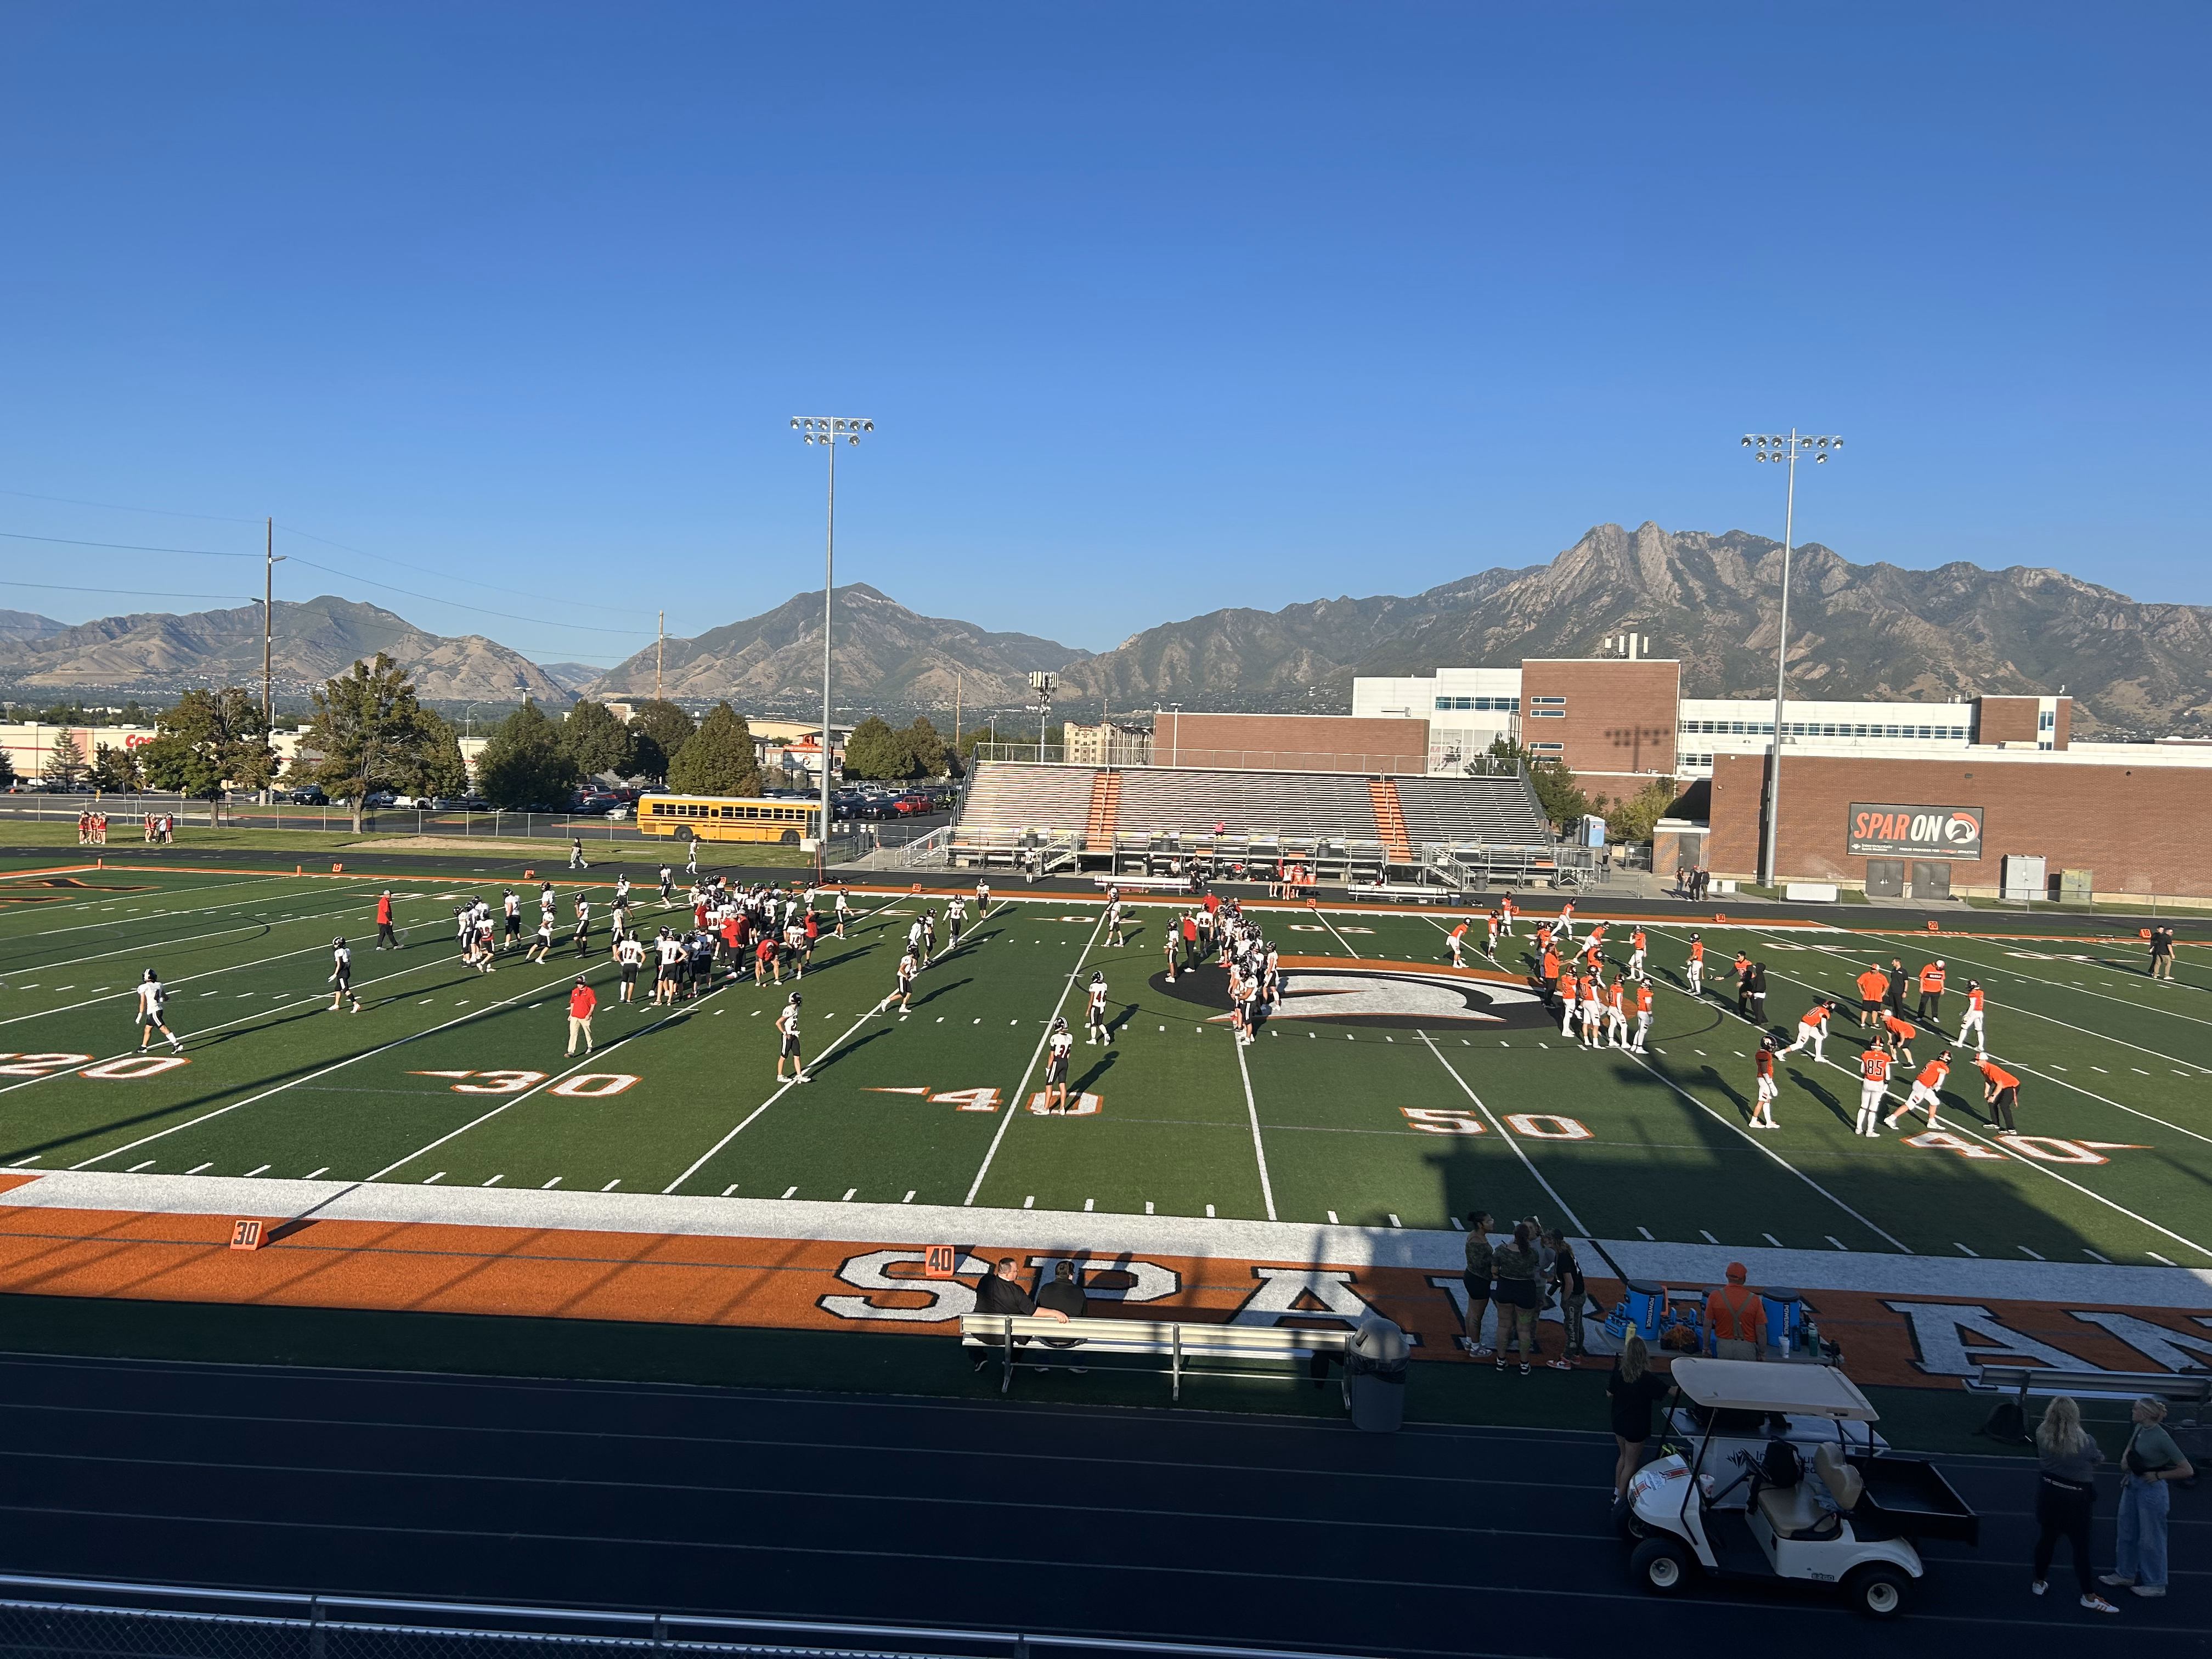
(245, 1235)
(939, 1261)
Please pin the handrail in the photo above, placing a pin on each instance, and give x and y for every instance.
(468, 1617)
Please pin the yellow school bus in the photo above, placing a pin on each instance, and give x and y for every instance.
(727, 817)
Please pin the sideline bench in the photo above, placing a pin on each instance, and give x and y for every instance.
(2175, 1388)
(1143, 884)
(1416, 891)
(1178, 1342)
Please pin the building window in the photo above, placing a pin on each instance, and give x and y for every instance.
(1547, 714)
(2046, 720)
(1548, 748)
(1560, 702)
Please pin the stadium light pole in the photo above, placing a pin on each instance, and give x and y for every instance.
(829, 431)
(1789, 448)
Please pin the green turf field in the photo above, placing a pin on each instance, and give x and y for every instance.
(456, 1077)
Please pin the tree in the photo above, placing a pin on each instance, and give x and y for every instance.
(523, 763)
(597, 741)
(1557, 794)
(440, 771)
(115, 769)
(64, 761)
(1636, 817)
(927, 747)
(718, 759)
(7, 768)
(211, 740)
(369, 729)
(661, 730)
(874, 750)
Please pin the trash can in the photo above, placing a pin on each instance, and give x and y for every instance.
(1375, 1376)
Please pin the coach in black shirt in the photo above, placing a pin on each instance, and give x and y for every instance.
(997, 1292)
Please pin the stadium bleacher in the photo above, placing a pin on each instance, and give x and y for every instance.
(1015, 795)
(1494, 812)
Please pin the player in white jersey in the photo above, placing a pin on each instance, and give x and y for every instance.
(1113, 922)
(667, 887)
(928, 935)
(543, 950)
(511, 909)
(914, 937)
(583, 932)
(153, 998)
(629, 955)
(787, 1031)
(668, 951)
(1097, 1032)
(1593, 1008)
(794, 945)
(982, 900)
(955, 917)
(844, 910)
(464, 933)
(342, 975)
(1972, 1020)
(908, 968)
(1057, 1048)
(621, 888)
(484, 941)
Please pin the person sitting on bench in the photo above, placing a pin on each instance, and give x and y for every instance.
(997, 1292)
(1063, 1295)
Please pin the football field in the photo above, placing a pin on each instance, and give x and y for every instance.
(1390, 1093)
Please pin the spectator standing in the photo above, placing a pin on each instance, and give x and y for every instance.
(2065, 1491)
(1480, 1270)
(577, 854)
(2151, 1459)
(1736, 1318)
(1567, 1281)
(2161, 949)
(1517, 1266)
(1631, 1392)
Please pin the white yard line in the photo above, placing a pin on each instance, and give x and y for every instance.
(1259, 1150)
(66, 963)
(42, 913)
(1341, 938)
(1512, 1141)
(1019, 1103)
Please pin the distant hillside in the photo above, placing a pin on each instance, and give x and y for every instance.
(159, 653)
(884, 653)
(27, 625)
(570, 676)
(1855, 631)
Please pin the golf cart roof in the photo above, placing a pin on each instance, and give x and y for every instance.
(1751, 1385)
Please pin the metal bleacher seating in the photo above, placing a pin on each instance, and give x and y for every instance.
(1297, 804)
(1493, 811)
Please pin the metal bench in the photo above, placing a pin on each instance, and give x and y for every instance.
(1414, 892)
(1143, 884)
(1176, 1341)
(2186, 1391)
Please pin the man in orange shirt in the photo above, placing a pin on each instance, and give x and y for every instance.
(1923, 1090)
(1697, 966)
(1897, 1032)
(1616, 1015)
(2000, 1093)
(1976, 999)
(1643, 1017)
(1874, 1089)
(385, 938)
(1812, 1030)
(1547, 972)
(1872, 983)
(1636, 943)
(582, 1001)
(1736, 1318)
(1570, 996)
(1455, 941)
(1763, 1088)
(1931, 994)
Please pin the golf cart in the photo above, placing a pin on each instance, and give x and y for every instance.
(1799, 1502)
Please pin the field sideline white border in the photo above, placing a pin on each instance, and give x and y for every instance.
(978, 1228)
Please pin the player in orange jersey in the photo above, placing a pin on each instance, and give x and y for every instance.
(1696, 969)
(1637, 942)
(1874, 1089)
(1456, 941)
(1972, 1021)
(1897, 1032)
(1812, 1030)
(1643, 1017)
(1923, 1090)
(2000, 1093)
(1872, 984)
(1763, 1087)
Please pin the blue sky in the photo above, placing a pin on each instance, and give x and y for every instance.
(1157, 308)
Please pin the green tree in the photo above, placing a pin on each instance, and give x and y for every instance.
(598, 742)
(440, 771)
(874, 750)
(64, 761)
(1635, 818)
(7, 768)
(928, 747)
(116, 768)
(523, 763)
(209, 741)
(367, 727)
(133, 714)
(661, 730)
(1557, 794)
(718, 759)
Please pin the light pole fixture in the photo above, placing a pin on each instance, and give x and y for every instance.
(829, 431)
(1041, 684)
(1787, 449)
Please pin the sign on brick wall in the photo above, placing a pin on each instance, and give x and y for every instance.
(1921, 832)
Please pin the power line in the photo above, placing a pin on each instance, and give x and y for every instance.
(110, 506)
(432, 599)
(124, 547)
(488, 588)
(132, 592)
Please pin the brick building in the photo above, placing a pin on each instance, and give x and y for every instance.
(1291, 743)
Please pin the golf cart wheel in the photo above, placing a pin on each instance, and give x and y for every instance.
(1878, 1592)
(1661, 1565)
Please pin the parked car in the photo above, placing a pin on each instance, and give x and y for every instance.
(450, 804)
(309, 796)
(380, 798)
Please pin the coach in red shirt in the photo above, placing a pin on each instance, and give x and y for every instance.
(581, 1002)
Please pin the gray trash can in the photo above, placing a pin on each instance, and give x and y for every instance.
(1375, 1376)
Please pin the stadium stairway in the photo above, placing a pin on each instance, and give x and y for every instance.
(1105, 808)
(1390, 819)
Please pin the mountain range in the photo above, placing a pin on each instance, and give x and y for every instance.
(155, 651)
(1871, 630)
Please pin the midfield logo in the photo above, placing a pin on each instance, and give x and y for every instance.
(1394, 996)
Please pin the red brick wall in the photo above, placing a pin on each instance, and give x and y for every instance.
(1292, 743)
(2004, 719)
(1621, 716)
(2064, 731)
(2140, 830)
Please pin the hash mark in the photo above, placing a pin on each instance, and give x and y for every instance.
(849, 1191)
(252, 1173)
(1838, 1243)
(1209, 1211)
(1148, 1206)
(1332, 1221)
(494, 1180)
(2024, 1250)
(1957, 1246)
(1395, 1221)
(1088, 1205)
(727, 1190)
(2156, 1257)
(2087, 1251)
(440, 1176)
(909, 1199)
(1029, 1203)
(1710, 1239)
(148, 1165)
(195, 1170)
(612, 1185)
(550, 1185)
(1772, 1240)
(325, 1171)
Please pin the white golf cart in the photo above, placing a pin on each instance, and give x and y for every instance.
(1797, 1502)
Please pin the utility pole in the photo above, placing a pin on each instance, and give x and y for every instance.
(956, 717)
(1787, 448)
(269, 563)
(659, 639)
(827, 430)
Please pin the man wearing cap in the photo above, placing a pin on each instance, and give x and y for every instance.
(1931, 993)
(1736, 1318)
(581, 1002)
